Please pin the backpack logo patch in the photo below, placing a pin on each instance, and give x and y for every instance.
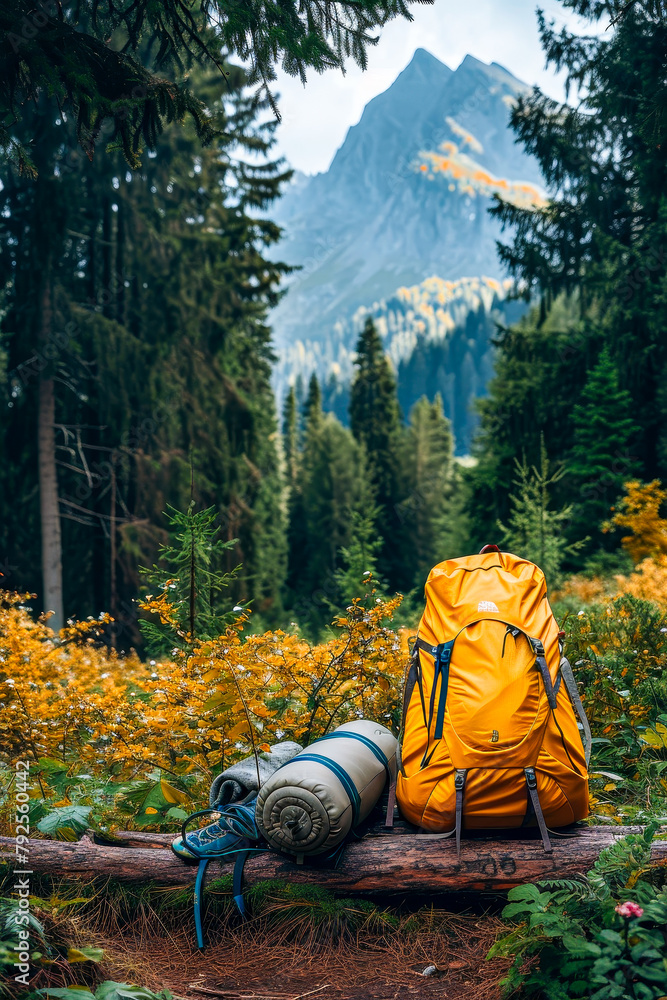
(487, 606)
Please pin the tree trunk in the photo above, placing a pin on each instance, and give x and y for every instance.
(113, 597)
(52, 571)
(387, 863)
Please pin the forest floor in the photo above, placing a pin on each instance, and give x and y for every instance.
(249, 963)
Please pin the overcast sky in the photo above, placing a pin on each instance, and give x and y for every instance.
(317, 116)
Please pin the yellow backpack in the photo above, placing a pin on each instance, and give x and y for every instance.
(490, 736)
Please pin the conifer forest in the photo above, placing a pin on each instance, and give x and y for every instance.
(245, 408)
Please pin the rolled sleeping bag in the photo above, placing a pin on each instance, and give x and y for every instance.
(310, 804)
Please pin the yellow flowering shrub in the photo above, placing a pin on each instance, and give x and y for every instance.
(618, 651)
(639, 511)
(648, 581)
(584, 590)
(67, 703)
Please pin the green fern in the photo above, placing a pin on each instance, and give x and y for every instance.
(613, 869)
(564, 891)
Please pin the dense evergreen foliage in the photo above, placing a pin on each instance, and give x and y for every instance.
(375, 420)
(383, 500)
(605, 436)
(88, 56)
(139, 300)
(588, 369)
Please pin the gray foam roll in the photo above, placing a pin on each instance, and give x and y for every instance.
(305, 808)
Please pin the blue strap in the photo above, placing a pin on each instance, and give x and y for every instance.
(441, 654)
(373, 747)
(341, 774)
(240, 821)
(442, 667)
(199, 881)
(237, 885)
(242, 854)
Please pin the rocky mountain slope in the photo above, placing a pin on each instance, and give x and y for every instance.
(403, 210)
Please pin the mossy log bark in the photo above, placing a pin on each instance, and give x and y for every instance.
(399, 862)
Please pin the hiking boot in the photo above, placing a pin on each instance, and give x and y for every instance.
(235, 826)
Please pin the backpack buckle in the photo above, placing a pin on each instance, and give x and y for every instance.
(531, 778)
(460, 779)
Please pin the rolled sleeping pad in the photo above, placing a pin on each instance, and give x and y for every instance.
(240, 781)
(310, 804)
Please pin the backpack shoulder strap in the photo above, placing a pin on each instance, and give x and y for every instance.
(412, 677)
(573, 691)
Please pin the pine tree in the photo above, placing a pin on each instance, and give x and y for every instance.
(190, 577)
(158, 348)
(329, 487)
(604, 432)
(312, 407)
(604, 158)
(431, 475)
(375, 421)
(530, 397)
(357, 572)
(91, 61)
(534, 530)
(290, 431)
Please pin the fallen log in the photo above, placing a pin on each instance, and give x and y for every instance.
(390, 864)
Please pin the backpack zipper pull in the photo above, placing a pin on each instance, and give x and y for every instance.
(514, 632)
(507, 632)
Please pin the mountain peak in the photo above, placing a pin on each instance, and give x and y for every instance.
(425, 59)
(388, 122)
(423, 68)
(404, 200)
(493, 72)
(470, 62)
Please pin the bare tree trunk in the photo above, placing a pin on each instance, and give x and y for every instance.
(52, 571)
(113, 600)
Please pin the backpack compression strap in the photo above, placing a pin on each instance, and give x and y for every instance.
(459, 785)
(531, 782)
(573, 691)
(413, 675)
(543, 667)
(442, 655)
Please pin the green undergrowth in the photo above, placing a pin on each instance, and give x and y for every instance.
(101, 901)
(600, 937)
